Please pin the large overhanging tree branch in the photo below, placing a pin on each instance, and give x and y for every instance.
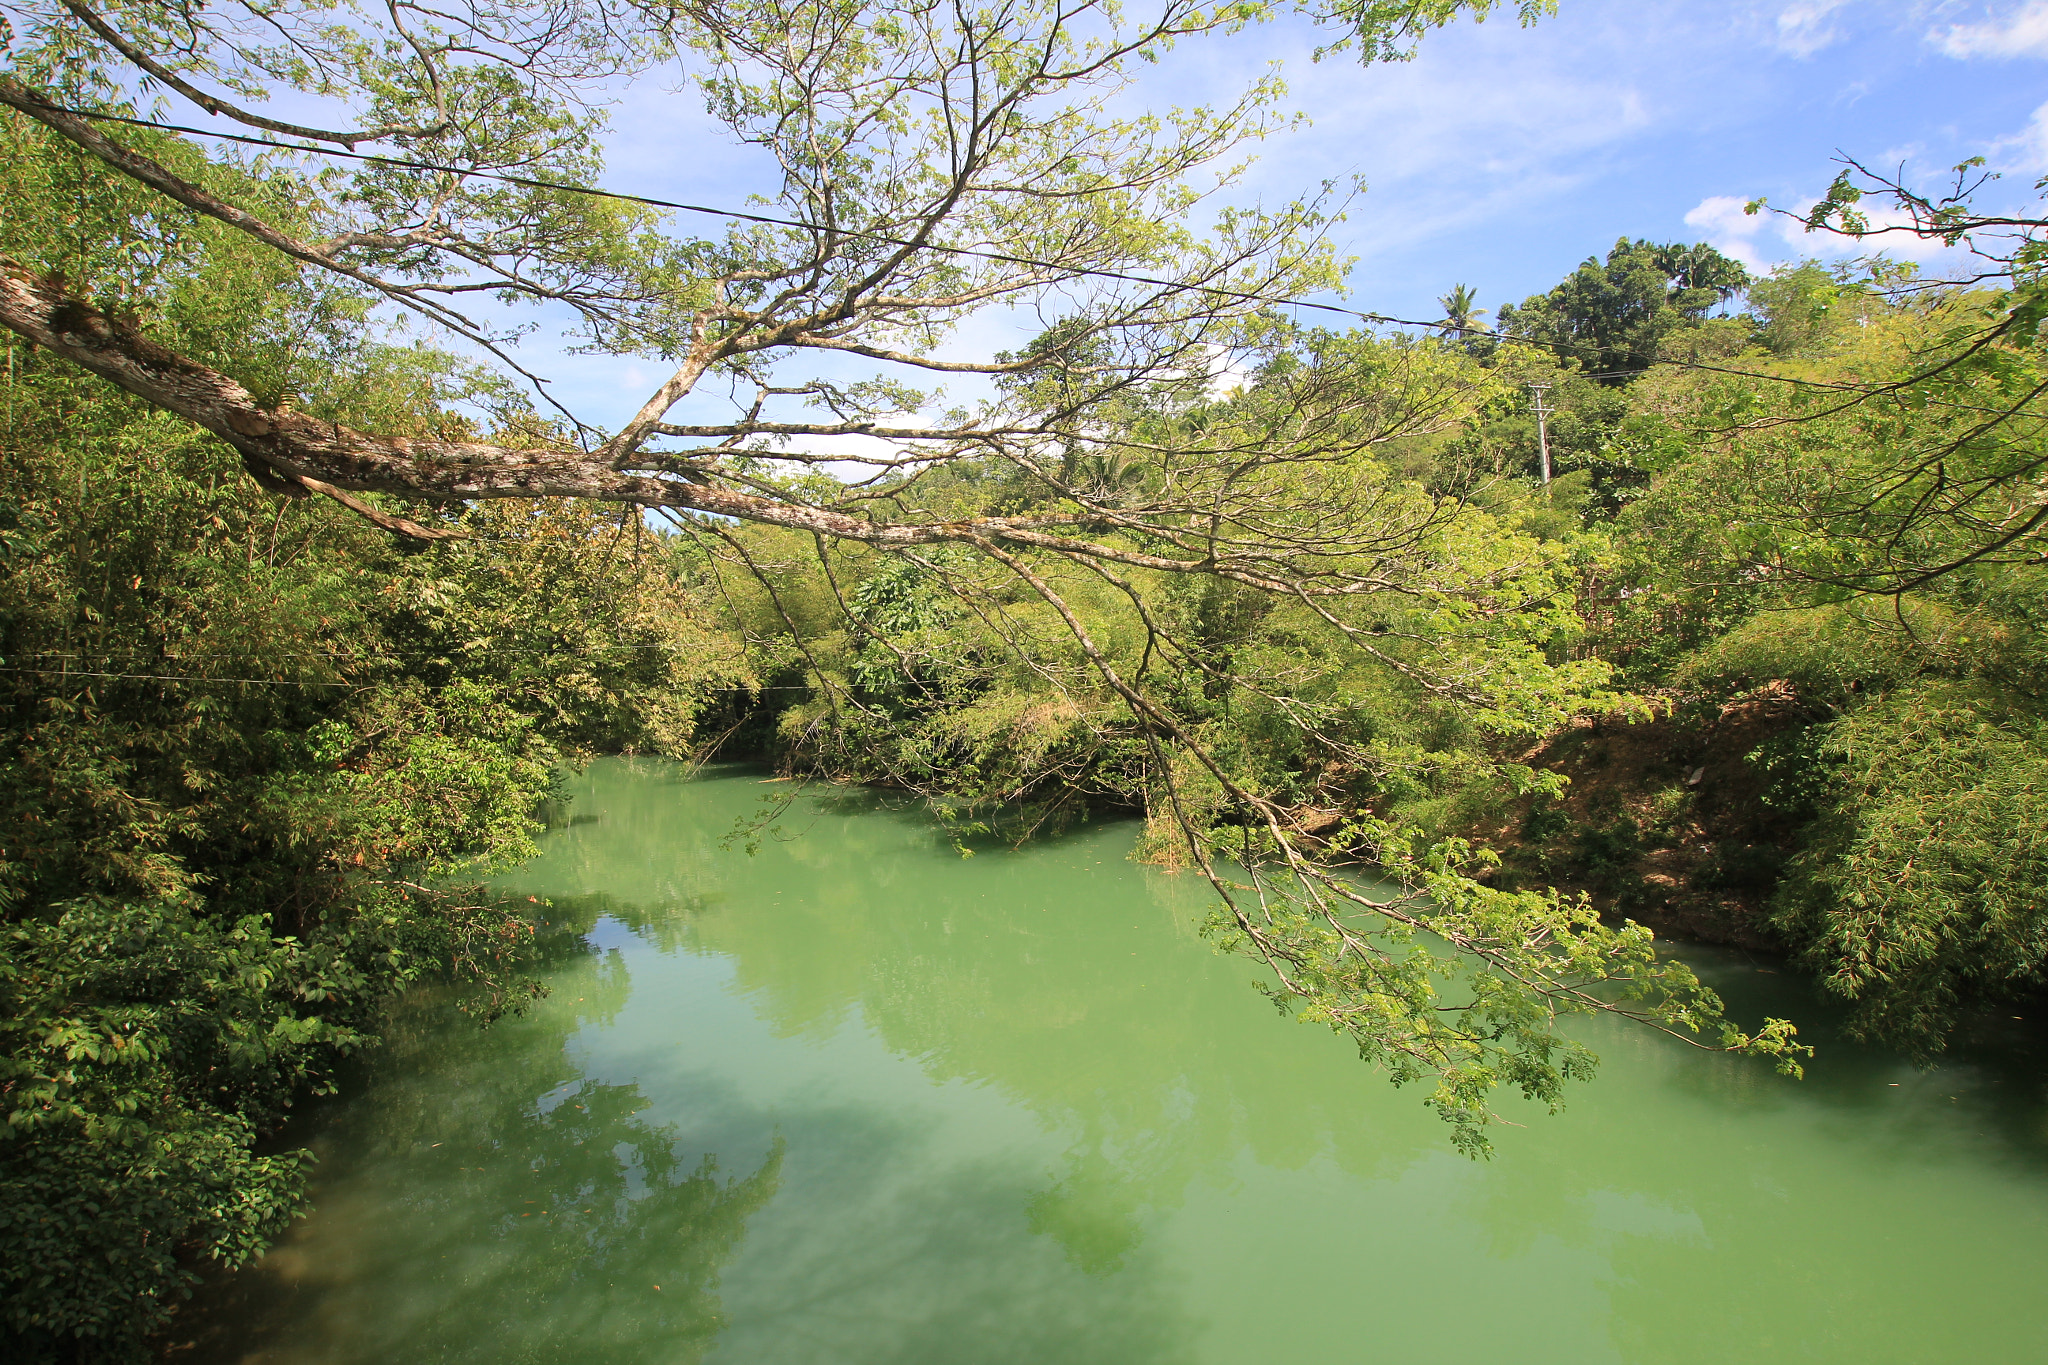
(933, 162)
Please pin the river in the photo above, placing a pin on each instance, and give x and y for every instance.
(855, 1099)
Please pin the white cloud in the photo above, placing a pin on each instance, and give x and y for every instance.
(2027, 150)
(1766, 239)
(1733, 232)
(1490, 124)
(1227, 373)
(1803, 27)
(1905, 246)
(2019, 33)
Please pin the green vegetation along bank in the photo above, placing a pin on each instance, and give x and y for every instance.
(302, 619)
(251, 754)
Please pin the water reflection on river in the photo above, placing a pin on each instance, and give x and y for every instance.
(856, 1100)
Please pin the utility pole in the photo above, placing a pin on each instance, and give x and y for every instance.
(1543, 427)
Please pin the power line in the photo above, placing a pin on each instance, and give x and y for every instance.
(171, 677)
(295, 682)
(769, 220)
(349, 655)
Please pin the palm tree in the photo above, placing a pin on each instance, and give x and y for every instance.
(1459, 314)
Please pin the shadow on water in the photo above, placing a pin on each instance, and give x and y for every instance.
(918, 1260)
(491, 1196)
(479, 1201)
(1993, 1077)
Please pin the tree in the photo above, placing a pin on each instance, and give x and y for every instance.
(1459, 313)
(933, 162)
(1465, 323)
(251, 753)
(1613, 317)
(1965, 489)
(1846, 519)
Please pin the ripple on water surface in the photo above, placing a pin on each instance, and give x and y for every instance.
(855, 1099)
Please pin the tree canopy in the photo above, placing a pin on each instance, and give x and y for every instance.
(1613, 317)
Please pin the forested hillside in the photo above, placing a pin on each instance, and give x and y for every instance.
(301, 618)
(1807, 669)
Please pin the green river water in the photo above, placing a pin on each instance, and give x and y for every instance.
(855, 1099)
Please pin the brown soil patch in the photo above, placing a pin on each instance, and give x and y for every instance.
(1655, 814)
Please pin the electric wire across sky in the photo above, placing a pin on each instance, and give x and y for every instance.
(1130, 277)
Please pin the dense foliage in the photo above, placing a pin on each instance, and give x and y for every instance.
(1295, 596)
(1615, 318)
(251, 755)
(1873, 557)
(1803, 530)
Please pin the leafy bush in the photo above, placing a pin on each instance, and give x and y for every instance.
(1737, 866)
(1924, 889)
(136, 1041)
(1828, 653)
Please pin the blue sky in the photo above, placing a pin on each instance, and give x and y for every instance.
(1501, 156)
